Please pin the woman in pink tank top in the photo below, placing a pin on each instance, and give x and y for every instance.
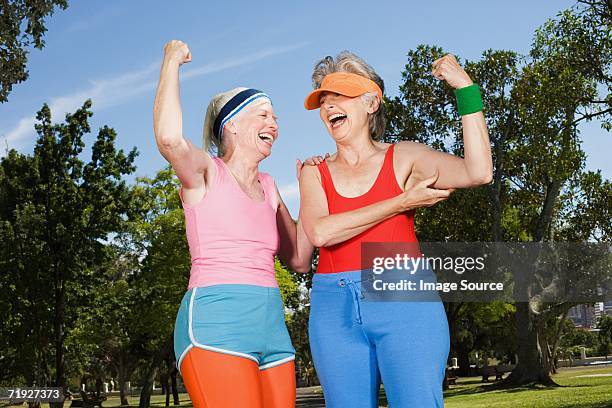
(230, 338)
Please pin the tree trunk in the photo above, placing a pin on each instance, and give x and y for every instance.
(533, 361)
(453, 311)
(463, 359)
(98, 387)
(58, 325)
(147, 384)
(496, 187)
(167, 391)
(534, 365)
(553, 356)
(164, 379)
(122, 378)
(546, 215)
(175, 394)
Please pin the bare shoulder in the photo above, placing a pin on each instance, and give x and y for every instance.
(409, 148)
(405, 155)
(310, 173)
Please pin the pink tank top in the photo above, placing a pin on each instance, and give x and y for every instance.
(232, 238)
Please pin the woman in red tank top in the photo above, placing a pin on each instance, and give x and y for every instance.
(367, 192)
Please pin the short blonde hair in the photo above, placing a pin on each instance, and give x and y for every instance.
(346, 61)
(210, 142)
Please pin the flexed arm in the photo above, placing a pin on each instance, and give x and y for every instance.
(476, 167)
(190, 163)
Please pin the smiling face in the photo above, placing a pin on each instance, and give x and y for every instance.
(342, 115)
(256, 128)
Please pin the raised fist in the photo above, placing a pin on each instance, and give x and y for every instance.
(178, 51)
(448, 69)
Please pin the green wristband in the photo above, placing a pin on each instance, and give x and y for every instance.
(469, 99)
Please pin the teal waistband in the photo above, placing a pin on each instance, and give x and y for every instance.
(236, 288)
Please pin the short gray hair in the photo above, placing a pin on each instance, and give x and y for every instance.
(346, 61)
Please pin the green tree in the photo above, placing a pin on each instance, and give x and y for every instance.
(104, 330)
(559, 88)
(534, 106)
(55, 213)
(22, 24)
(155, 236)
(481, 326)
(288, 286)
(297, 325)
(133, 320)
(604, 324)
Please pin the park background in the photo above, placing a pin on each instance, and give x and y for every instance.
(94, 259)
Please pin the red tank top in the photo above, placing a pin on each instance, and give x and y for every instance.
(346, 256)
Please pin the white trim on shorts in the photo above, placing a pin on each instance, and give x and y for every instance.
(183, 354)
(277, 362)
(194, 342)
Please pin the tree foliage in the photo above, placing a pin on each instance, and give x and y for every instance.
(534, 105)
(22, 24)
(56, 211)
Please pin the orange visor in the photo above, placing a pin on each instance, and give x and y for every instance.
(343, 83)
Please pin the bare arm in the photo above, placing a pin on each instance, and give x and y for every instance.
(324, 229)
(476, 168)
(190, 163)
(295, 247)
(455, 172)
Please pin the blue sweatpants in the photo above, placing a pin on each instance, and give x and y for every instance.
(356, 344)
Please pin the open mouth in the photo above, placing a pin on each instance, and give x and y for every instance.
(267, 137)
(337, 119)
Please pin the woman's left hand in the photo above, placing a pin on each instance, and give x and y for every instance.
(311, 161)
(448, 69)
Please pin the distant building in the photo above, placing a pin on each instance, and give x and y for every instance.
(607, 307)
(603, 308)
(584, 316)
(599, 310)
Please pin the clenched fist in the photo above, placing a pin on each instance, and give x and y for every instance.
(448, 69)
(177, 51)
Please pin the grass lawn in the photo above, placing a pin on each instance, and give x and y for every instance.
(582, 387)
(579, 387)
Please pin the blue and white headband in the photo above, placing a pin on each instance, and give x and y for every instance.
(235, 105)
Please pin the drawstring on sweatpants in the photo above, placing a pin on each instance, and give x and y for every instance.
(356, 295)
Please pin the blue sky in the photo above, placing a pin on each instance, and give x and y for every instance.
(111, 52)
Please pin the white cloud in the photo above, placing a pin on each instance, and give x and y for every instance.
(290, 194)
(104, 93)
(114, 91)
(236, 62)
(99, 19)
(24, 127)
(290, 191)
